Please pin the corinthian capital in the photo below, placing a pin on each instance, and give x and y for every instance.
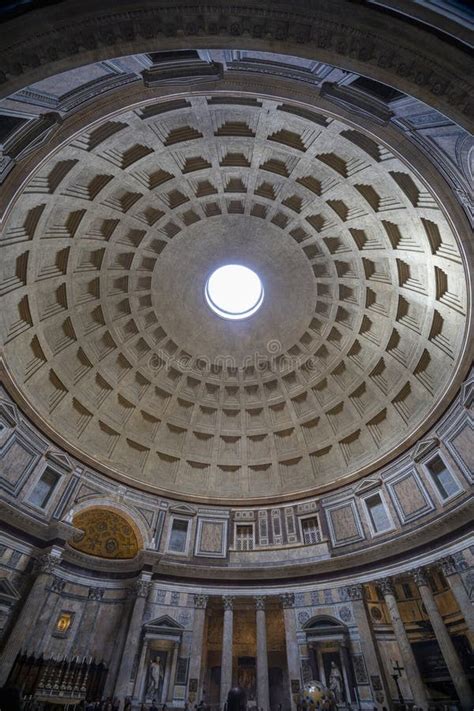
(57, 584)
(448, 565)
(96, 593)
(228, 601)
(287, 600)
(260, 602)
(419, 576)
(386, 585)
(46, 564)
(142, 587)
(354, 592)
(200, 601)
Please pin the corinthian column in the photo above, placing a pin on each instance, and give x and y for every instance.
(292, 651)
(141, 590)
(368, 644)
(195, 664)
(227, 639)
(451, 573)
(413, 675)
(456, 671)
(263, 696)
(20, 634)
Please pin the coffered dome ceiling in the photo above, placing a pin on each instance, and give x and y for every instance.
(108, 337)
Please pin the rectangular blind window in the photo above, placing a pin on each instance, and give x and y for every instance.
(442, 477)
(43, 490)
(377, 513)
(179, 533)
(310, 530)
(244, 538)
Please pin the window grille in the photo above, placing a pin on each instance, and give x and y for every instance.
(310, 530)
(244, 538)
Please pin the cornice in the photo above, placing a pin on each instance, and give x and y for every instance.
(399, 53)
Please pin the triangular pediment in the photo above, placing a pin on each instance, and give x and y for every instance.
(165, 622)
(323, 622)
(424, 448)
(183, 509)
(61, 459)
(9, 412)
(367, 485)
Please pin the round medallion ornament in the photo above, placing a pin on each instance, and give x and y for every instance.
(345, 614)
(303, 617)
(376, 613)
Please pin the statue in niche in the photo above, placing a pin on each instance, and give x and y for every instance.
(335, 682)
(155, 678)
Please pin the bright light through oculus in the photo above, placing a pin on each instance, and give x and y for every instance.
(234, 292)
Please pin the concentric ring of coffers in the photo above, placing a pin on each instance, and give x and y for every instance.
(327, 389)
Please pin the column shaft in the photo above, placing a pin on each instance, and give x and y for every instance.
(196, 661)
(459, 591)
(122, 687)
(344, 657)
(368, 643)
(227, 640)
(411, 670)
(21, 631)
(456, 671)
(321, 672)
(263, 695)
(117, 652)
(174, 662)
(292, 649)
(141, 676)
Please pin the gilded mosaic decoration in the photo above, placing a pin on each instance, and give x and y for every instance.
(106, 534)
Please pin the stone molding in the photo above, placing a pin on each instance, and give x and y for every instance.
(407, 57)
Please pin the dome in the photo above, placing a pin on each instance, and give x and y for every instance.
(237, 393)
(106, 326)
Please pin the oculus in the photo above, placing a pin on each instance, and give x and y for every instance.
(234, 292)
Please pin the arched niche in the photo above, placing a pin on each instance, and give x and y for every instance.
(328, 646)
(325, 626)
(106, 533)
